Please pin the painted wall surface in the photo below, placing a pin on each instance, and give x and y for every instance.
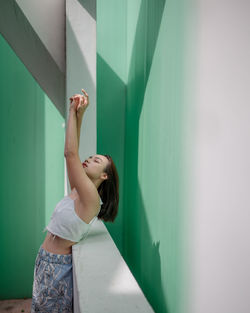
(48, 20)
(81, 70)
(185, 88)
(111, 95)
(221, 249)
(32, 171)
(99, 271)
(145, 75)
(20, 34)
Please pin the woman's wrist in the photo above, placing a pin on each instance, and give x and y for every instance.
(79, 121)
(72, 110)
(79, 115)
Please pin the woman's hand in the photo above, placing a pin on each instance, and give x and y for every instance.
(83, 104)
(79, 103)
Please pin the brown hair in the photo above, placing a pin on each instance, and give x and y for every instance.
(109, 193)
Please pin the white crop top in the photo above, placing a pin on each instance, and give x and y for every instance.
(66, 224)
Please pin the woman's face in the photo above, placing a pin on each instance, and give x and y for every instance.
(94, 165)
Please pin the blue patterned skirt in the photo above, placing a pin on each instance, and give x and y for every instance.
(53, 283)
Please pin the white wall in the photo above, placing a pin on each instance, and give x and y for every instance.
(221, 250)
(81, 69)
(48, 20)
(23, 37)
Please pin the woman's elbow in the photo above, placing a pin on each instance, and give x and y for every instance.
(68, 153)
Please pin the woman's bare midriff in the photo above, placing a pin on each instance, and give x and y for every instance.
(55, 244)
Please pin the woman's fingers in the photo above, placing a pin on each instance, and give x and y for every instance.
(80, 99)
(85, 93)
(86, 101)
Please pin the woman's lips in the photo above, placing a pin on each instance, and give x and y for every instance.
(85, 165)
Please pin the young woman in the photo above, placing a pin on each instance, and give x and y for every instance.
(94, 194)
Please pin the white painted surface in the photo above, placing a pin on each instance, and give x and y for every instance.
(103, 281)
(48, 20)
(221, 250)
(81, 69)
(23, 39)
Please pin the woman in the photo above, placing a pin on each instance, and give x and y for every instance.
(94, 194)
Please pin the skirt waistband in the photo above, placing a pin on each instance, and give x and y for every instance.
(54, 258)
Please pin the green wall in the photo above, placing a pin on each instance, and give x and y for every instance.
(143, 63)
(32, 171)
(111, 95)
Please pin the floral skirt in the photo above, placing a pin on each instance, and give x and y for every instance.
(53, 283)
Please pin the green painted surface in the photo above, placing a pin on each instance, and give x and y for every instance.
(145, 78)
(32, 171)
(111, 95)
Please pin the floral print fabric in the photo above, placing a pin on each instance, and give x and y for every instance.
(53, 283)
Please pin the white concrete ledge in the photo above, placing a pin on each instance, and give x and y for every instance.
(102, 280)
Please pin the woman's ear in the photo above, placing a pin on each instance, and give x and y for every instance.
(104, 176)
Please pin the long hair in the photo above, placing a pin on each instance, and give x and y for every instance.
(109, 192)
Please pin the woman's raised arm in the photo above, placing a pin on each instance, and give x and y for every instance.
(77, 108)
